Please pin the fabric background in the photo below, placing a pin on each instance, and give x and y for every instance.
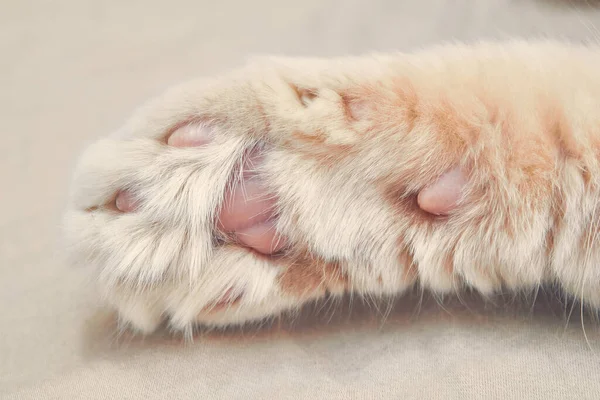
(73, 70)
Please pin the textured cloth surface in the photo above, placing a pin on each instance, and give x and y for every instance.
(73, 70)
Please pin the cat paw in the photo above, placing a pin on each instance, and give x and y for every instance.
(345, 148)
(146, 209)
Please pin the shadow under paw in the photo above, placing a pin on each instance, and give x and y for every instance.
(329, 317)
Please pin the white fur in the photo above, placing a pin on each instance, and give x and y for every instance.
(164, 261)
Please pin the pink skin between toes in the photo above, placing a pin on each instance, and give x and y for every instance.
(246, 213)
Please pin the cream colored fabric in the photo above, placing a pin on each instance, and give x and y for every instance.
(73, 70)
